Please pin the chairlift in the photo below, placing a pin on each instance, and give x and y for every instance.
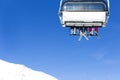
(84, 17)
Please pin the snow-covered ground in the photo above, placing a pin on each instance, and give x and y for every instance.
(11, 71)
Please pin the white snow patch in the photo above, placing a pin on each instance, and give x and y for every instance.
(11, 71)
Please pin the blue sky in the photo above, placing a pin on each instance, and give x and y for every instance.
(31, 34)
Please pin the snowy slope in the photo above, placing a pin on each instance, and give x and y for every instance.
(11, 71)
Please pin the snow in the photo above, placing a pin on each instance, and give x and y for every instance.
(11, 71)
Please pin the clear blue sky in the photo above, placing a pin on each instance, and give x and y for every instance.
(31, 34)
